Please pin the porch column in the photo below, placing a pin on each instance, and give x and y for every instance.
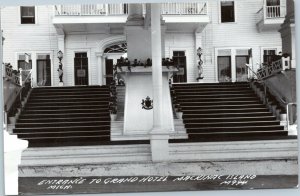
(135, 11)
(100, 67)
(1, 109)
(61, 47)
(159, 136)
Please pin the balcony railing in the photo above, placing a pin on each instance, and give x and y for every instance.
(91, 10)
(184, 8)
(199, 8)
(271, 12)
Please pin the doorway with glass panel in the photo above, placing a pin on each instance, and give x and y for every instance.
(81, 68)
(231, 64)
(43, 70)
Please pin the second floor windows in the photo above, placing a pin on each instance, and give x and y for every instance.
(27, 15)
(227, 11)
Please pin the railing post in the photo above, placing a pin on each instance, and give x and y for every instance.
(21, 77)
(106, 10)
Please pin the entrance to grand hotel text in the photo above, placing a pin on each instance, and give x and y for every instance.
(81, 74)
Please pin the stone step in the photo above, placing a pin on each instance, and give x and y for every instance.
(232, 124)
(64, 111)
(211, 129)
(61, 124)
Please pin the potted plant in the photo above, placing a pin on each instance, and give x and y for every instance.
(12, 120)
(113, 112)
(179, 112)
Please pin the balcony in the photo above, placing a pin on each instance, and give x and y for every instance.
(115, 15)
(270, 18)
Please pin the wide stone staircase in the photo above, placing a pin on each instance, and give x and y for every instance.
(61, 116)
(224, 112)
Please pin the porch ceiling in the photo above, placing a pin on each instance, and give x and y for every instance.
(118, 28)
(93, 28)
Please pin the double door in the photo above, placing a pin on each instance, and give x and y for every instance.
(232, 73)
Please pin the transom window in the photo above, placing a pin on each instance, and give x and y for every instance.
(227, 11)
(27, 15)
(119, 48)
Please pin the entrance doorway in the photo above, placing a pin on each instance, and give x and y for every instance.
(179, 59)
(43, 70)
(109, 71)
(81, 71)
(224, 69)
(241, 69)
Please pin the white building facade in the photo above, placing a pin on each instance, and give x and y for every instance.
(226, 31)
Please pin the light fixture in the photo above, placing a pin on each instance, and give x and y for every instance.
(60, 66)
(60, 55)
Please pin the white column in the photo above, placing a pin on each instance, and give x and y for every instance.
(156, 66)
(100, 68)
(159, 136)
(135, 11)
(1, 118)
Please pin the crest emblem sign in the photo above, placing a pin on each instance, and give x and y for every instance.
(147, 103)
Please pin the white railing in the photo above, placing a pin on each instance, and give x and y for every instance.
(199, 8)
(271, 12)
(274, 68)
(275, 11)
(184, 8)
(12, 75)
(91, 9)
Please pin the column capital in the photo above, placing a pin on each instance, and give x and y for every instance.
(99, 54)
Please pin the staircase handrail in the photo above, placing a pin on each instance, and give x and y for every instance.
(258, 78)
(26, 85)
(279, 99)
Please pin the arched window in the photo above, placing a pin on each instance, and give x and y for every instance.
(118, 48)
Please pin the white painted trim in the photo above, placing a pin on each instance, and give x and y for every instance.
(78, 50)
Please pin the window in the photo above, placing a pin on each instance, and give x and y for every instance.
(273, 2)
(22, 63)
(27, 15)
(25, 64)
(227, 11)
(269, 56)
